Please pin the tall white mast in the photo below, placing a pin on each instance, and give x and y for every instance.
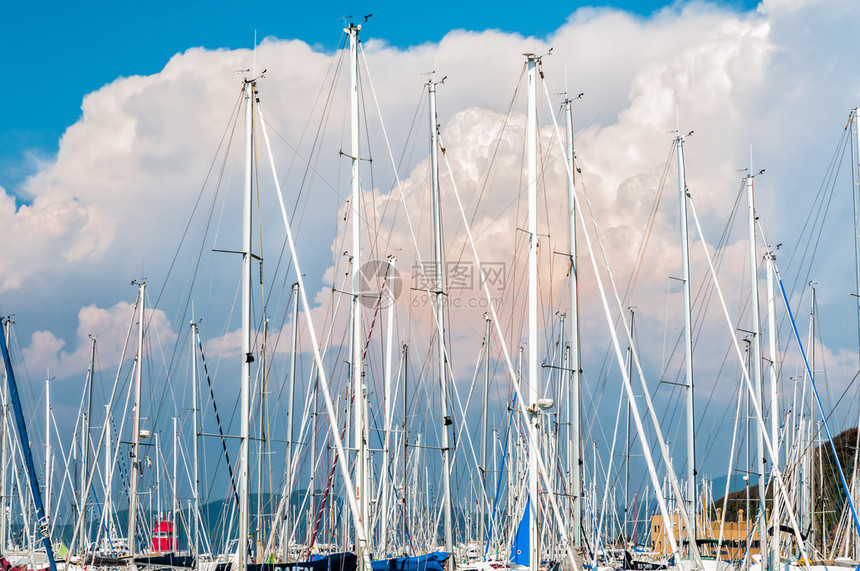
(855, 176)
(135, 446)
(483, 503)
(108, 515)
(85, 442)
(404, 482)
(195, 543)
(48, 472)
(533, 379)
(158, 513)
(755, 358)
(569, 465)
(811, 447)
(175, 508)
(362, 480)
(774, 398)
(854, 121)
(627, 427)
(575, 453)
(387, 405)
(440, 316)
(595, 540)
(805, 464)
(247, 357)
(4, 449)
(688, 339)
(290, 407)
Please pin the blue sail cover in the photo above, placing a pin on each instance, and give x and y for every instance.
(520, 549)
(430, 562)
(334, 562)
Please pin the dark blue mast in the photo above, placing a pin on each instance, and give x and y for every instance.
(28, 456)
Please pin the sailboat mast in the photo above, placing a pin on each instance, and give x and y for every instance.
(175, 508)
(533, 379)
(595, 541)
(575, 452)
(135, 446)
(440, 316)
(157, 477)
(108, 510)
(813, 431)
(85, 442)
(196, 481)
(24, 441)
(362, 488)
(688, 338)
(4, 449)
(774, 398)
(407, 506)
(386, 442)
(483, 503)
(48, 472)
(755, 356)
(855, 176)
(291, 399)
(247, 357)
(627, 424)
(854, 121)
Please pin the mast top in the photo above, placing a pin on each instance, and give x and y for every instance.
(571, 99)
(534, 56)
(354, 28)
(253, 80)
(430, 82)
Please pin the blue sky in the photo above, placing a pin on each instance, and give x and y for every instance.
(61, 51)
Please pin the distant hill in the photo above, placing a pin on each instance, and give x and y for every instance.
(829, 499)
(738, 483)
